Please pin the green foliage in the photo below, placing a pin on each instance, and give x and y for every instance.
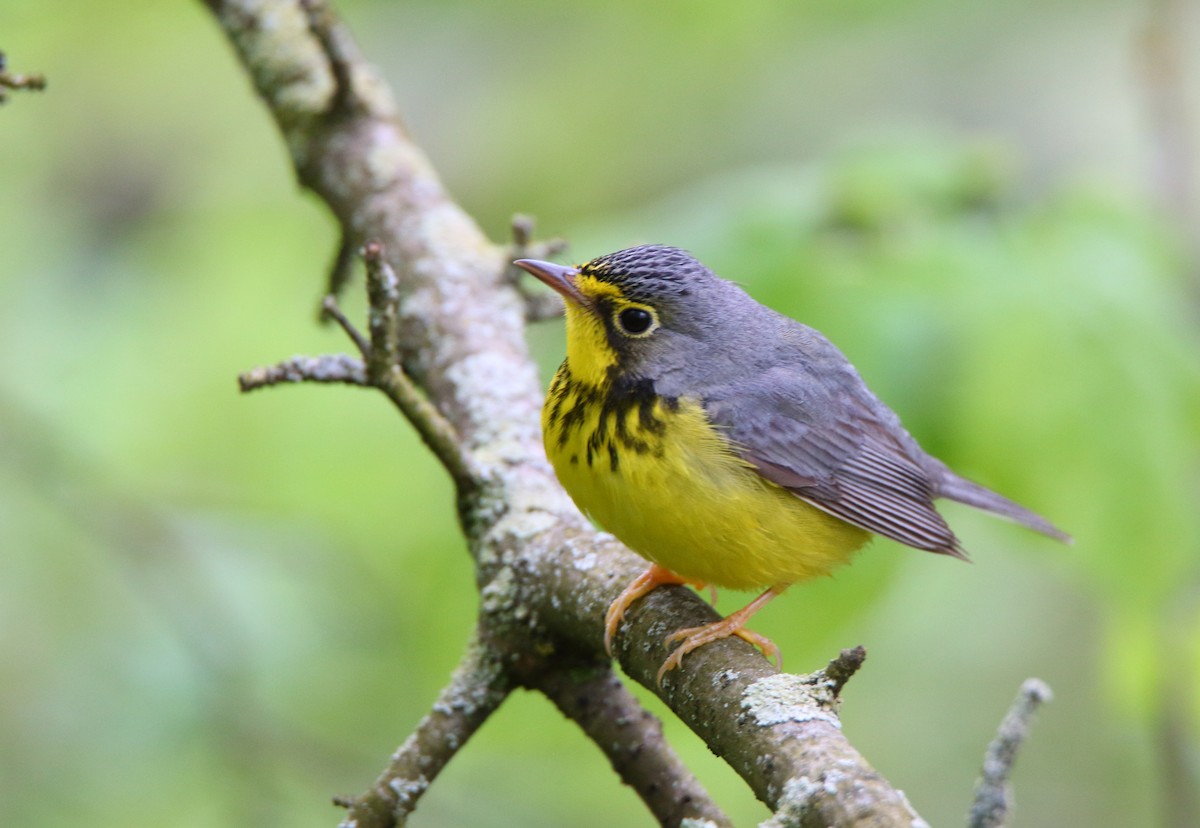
(218, 610)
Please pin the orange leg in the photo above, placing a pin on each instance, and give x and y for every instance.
(734, 624)
(642, 585)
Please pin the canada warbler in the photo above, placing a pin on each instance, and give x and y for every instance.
(726, 443)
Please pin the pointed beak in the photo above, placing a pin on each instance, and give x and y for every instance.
(559, 277)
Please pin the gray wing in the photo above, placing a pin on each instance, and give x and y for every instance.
(815, 429)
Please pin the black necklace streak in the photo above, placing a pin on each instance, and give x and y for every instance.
(571, 403)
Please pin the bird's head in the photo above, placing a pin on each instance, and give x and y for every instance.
(639, 312)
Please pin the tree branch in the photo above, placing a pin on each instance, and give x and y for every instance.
(383, 371)
(593, 697)
(540, 304)
(546, 577)
(340, 270)
(477, 688)
(380, 370)
(35, 83)
(992, 795)
(330, 368)
(331, 310)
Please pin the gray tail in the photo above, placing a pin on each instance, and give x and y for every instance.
(952, 486)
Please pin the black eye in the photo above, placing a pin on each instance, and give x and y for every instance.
(635, 320)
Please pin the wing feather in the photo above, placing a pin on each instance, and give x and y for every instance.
(830, 442)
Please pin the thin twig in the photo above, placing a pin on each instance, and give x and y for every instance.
(840, 669)
(384, 372)
(328, 368)
(632, 739)
(540, 304)
(478, 686)
(35, 82)
(992, 796)
(339, 271)
(338, 48)
(330, 308)
(523, 244)
(522, 226)
(434, 429)
(383, 295)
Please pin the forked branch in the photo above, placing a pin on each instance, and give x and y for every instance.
(445, 342)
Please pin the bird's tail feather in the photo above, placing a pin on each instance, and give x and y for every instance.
(951, 486)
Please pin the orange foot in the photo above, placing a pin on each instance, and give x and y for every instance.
(642, 585)
(734, 624)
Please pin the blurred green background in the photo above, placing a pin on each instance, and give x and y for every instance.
(220, 610)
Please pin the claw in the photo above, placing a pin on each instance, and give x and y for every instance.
(735, 624)
(642, 585)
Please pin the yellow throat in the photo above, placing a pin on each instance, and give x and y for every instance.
(655, 472)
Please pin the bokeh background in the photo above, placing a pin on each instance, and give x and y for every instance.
(220, 609)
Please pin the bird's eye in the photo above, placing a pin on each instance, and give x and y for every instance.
(635, 321)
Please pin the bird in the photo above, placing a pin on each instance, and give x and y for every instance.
(727, 444)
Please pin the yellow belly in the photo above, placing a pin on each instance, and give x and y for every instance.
(662, 480)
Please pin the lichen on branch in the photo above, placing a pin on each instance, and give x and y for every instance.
(446, 343)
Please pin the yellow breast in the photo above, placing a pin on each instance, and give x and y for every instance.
(656, 474)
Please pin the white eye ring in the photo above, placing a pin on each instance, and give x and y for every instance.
(636, 321)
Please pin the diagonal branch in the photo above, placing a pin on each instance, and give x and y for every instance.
(632, 738)
(545, 575)
(992, 796)
(340, 270)
(381, 353)
(331, 310)
(479, 685)
(381, 370)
